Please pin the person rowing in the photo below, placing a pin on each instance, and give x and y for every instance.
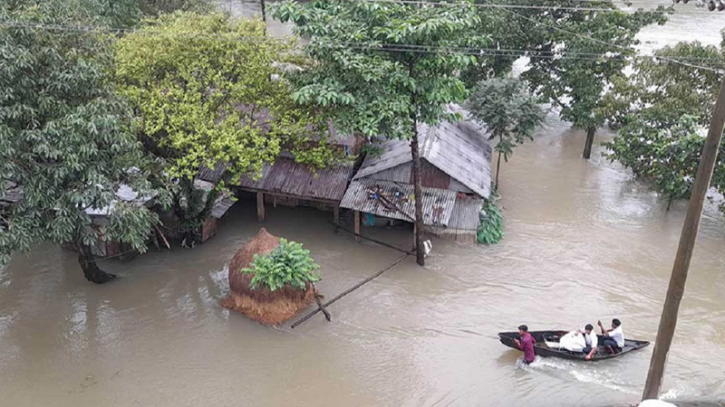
(614, 337)
(526, 344)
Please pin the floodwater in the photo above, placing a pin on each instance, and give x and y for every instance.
(584, 241)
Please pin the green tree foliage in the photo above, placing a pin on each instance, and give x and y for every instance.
(130, 13)
(64, 137)
(666, 90)
(203, 88)
(509, 111)
(491, 229)
(663, 109)
(575, 54)
(154, 8)
(384, 67)
(666, 156)
(192, 207)
(287, 264)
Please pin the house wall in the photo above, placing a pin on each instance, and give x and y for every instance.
(456, 235)
(431, 177)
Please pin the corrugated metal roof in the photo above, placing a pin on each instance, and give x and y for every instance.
(287, 177)
(395, 200)
(221, 207)
(212, 175)
(123, 193)
(465, 214)
(460, 150)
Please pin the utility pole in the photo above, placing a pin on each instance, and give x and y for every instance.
(676, 289)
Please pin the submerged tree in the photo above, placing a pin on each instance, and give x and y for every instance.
(575, 52)
(509, 111)
(662, 109)
(65, 143)
(665, 156)
(383, 68)
(203, 88)
(663, 88)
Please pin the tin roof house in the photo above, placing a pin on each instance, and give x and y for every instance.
(289, 183)
(455, 176)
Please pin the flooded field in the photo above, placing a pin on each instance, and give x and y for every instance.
(583, 242)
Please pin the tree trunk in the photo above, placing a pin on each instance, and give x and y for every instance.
(418, 194)
(589, 142)
(90, 269)
(498, 169)
(189, 239)
(264, 12)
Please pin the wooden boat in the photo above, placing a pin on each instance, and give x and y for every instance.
(541, 348)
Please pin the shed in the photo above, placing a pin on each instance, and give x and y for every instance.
(287, 182)
(455, 176)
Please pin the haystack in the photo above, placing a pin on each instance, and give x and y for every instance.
(261, 304)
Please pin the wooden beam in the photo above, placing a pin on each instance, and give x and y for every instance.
(281, 195)
(356, 228)
(336, 216)
(260, 206)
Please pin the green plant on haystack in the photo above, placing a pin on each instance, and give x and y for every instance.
(491, 229)
(288, 263)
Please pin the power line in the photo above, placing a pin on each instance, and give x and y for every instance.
(375, 46)
(609, 43)
(526, 6)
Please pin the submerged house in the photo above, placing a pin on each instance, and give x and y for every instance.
(287, 182)
(455, 176)
(206, 180)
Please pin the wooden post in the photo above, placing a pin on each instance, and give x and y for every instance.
(415, 237)
(336, 217)
(260, 206)
(418, 194)
(356, 227)
(676, 289)
(587, 154)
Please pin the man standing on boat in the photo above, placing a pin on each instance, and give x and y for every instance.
(613, 338)
(526, 344)
(591, 340)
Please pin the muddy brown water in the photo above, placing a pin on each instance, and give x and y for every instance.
(584, 241)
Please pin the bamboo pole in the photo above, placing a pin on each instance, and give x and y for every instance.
(349, 290)
(676, 289)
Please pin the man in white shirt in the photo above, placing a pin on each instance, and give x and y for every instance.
(613, 338)
(591, 342)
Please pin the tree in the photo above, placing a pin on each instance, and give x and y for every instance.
(286, 265)
(154, 8)
(203, 88)
(574, 54)
(662, 108)
(65, 142)
(666, 156)
(128, 14)
(666, 89)
(384, 67)
(509, 111)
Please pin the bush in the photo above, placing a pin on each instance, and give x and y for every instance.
(288, 263)
(491, 229)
